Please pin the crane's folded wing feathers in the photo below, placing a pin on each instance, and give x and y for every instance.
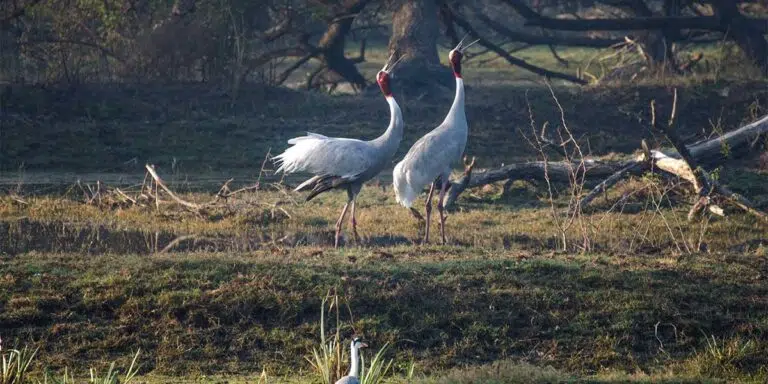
(310, 135)
(326, 156)
(428, 158)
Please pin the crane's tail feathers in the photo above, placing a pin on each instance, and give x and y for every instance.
(307, 184)
(405, 194)
(294, 159)
(323, 184)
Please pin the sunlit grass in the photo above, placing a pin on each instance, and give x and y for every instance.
(226, 313)
(657, 299)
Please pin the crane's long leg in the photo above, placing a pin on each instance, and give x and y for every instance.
(428, 209)
(339, 223)
(415, 213)
(353, 220)
(440, 208)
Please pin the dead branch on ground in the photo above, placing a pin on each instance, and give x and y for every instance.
(708, 190)
(532, 170)
(223, 194)
(708, 153)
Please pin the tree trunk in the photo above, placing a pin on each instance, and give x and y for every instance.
(415, 30)
(664, 51)
(748, 38)
(332, 48)
(658, 44)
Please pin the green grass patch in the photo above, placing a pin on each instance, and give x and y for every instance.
(197, 314)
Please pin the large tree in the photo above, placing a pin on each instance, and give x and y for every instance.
(415, 31)
(725, 19)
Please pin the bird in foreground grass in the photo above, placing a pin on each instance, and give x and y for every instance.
(340, 163)
(429, 160)
(354, 368)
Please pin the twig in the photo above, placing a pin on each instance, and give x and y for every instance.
(511, 59)
(702, 186)
(18, 199)
(226, 194)
(125, 196)
(264, 164)
(741, 202)
(559, 148)
(176, 242)
(151, 169)
(276, 206)
(701, 180)
(457, 187)
(633, 167)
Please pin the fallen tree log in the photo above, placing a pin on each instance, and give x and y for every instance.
(688, 168)
(708, 153)
(556, 171)
(741, 141)
(720, 192)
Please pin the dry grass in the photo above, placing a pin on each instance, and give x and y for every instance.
(234, 291)
(202, 313)
(636, 306)
(628, 219)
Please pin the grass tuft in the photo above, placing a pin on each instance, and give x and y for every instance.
(731, 358)
(15, 364)
(327, 360)
(378, 369)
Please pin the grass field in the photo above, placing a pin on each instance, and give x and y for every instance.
(233, 293)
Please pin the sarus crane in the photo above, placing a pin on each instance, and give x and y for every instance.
(341, 163)
(429, 160)
(354, 368)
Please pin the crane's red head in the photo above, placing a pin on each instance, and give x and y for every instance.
(383, 77)
(456, 54)
(455, 58)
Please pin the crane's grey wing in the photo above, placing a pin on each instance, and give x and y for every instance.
(325, 156)
(434, 153)
(429, 157)
(348, 380)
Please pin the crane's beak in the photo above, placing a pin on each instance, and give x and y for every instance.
(389, 66)
(363, 345)
(461, 47)
(469, 45)
(386, 64)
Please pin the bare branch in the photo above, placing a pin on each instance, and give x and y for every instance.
(511, 59)
(287, 72)
(534, 39)
(151, 169)
(101, 48)
(711, 23)
(19, 12)
(702, 185)
(632, 168)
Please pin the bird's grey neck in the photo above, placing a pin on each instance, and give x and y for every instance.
(354, 369)
(394, 132)
(457, 108)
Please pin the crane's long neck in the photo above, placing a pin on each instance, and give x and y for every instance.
(354, 369)
(394, 132)
(456, 114)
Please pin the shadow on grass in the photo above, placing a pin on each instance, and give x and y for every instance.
(225, 314)
(26, 235)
